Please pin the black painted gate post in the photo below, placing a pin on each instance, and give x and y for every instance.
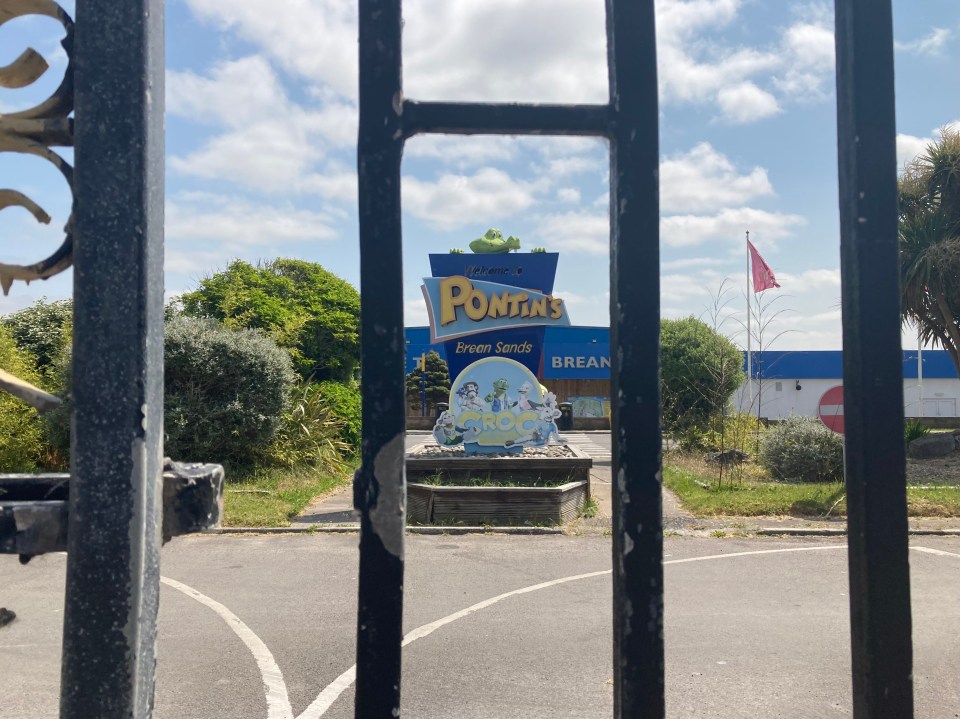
(875, 466)
(109, 637)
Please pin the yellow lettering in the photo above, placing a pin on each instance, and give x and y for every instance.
(476, 306)
(556, 308)
(538, 308)
(498, 305)
(454, 292)
(489, 421)
(515, 301)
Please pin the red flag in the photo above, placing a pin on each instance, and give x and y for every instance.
(763, 278)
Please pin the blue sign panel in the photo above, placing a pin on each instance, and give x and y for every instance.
(530, 271)
(577, 361)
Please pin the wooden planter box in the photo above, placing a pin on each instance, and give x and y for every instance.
(518, 469)
(429, 504)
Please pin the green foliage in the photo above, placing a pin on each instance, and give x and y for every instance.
(700, 369)
(929, 209)
(455, 251)
(310, 433)
(343, 400)
(436, 381)
(21, 433)
(801, 449)
(225, 392)
(42, 329)
(311, 312)
(736, 430)
(914, 429)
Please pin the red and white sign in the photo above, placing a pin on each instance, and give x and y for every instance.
(830, 409)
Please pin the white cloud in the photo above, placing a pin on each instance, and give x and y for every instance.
(461, 151)
(316, 39)
(570, 195)
(703, 179)
(234, 221)
(415, 312)
(577, 231)
(931, 44)
(693, 262)
(810, 280)
(727, 225)
(454, 201)
(746, 103)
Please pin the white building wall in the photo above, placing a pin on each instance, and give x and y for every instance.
(779, 399)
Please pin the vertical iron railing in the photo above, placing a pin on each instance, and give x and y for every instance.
(629, 122)
(872, 371)
(109, 636)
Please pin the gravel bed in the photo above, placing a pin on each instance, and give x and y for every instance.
(554, 450)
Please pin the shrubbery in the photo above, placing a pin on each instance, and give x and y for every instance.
(225, 392)
(801, 449)
(343, 399)
(310, 432)
(21, 433)
(42, 329)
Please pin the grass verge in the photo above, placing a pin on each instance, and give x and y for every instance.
(271, 497)
(757, 497)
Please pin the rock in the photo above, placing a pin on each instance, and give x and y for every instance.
(933, 445)
(728, 457)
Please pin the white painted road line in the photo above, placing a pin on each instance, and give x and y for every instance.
(330, 694)
(938, 552)
(275, 688)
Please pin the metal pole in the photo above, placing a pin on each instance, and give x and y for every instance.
(638, 656)
(875, 466)
(109, 632)
(379, 487)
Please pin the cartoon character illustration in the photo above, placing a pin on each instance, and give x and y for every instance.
(524, 403)
(448, 434)
(468, 398)
(498, 399)
(544, 428)
(492, 242)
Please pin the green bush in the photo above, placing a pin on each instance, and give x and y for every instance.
(801, 449)
(42, 329)
(737, 430)
(310, 433)
(699, 370)
(304, 308)
(225, 392)
(21, 433)
(343, 399)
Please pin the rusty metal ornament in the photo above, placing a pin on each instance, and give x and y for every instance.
(35, 130)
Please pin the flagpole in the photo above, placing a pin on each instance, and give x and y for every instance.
(749, 353)
(920, 368)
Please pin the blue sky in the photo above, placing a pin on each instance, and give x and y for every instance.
(261, 133)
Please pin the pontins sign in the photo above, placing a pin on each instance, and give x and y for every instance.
(459, 307)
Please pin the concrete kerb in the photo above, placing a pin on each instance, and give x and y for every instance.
(355, 528)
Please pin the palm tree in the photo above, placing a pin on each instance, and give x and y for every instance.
(929, 191)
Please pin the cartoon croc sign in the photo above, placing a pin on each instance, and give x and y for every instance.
(497, 406)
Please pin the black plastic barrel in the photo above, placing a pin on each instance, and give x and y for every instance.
(565, 420)
(441, 408)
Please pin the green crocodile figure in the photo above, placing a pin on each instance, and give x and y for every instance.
(492, 242)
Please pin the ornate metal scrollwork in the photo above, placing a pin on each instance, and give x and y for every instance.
(35, 130)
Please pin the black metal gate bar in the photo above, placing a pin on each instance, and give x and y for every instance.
(635, 353)
(630, 121)
(872, 372)
(512, 119)
(109, 635)
(379, 488)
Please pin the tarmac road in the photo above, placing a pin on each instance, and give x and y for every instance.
(749, 632)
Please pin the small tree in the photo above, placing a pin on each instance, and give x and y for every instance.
(426, 388)
(699, 368)
(304, 308)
